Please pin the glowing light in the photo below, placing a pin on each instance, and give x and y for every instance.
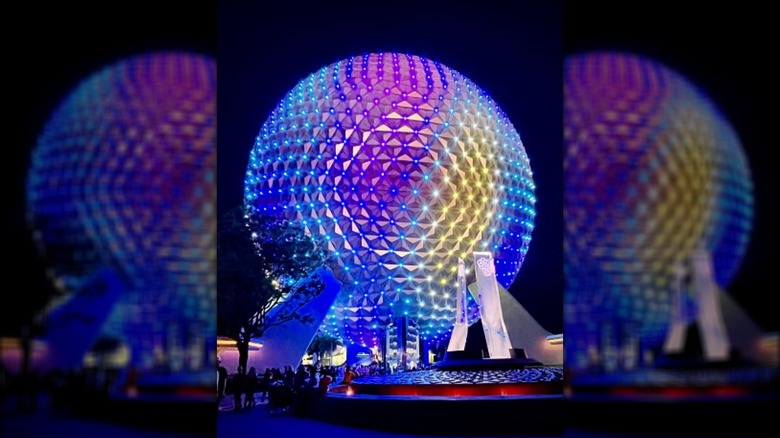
(388, 148)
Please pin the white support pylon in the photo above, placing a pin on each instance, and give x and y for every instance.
(461, 328)
(496, 335)
(678, 320)
(715, 341)
(708, 315)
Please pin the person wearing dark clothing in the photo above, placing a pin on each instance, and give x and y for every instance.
(300, 379)
(239, 383)
(289, 376)
(277, 375)
(265, 380)
(222, 376)
(250, 387)
(308, 392)
(311, 382)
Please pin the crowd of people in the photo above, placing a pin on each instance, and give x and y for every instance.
(64, 389)
(287, 389)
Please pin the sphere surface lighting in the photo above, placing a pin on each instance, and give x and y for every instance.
(403, 165)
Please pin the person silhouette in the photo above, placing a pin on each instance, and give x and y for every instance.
(239, 382)
(250, 387)
(222, 376)
(265, 382)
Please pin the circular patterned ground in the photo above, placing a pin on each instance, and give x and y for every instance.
(435, 377)
(522, 382)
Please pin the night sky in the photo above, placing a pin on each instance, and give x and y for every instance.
(513, 54)
(728, 51)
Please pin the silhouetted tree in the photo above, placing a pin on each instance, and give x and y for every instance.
(268, 269)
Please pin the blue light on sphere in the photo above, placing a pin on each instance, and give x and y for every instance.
(403, 165)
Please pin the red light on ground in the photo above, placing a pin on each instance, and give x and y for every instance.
(466, 390)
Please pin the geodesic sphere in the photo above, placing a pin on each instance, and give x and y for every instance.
(122, 178)
(653, 172)
(402, 165)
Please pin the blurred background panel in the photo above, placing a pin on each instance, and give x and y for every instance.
(669, 219)
(111, 224)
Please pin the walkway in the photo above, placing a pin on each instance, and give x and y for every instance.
(232, 424)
